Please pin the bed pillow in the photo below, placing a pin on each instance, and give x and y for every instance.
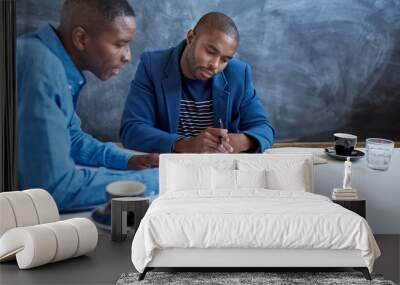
(251, 178)
(182, 177)
(223, 179)
(281, 174)
(295, 180)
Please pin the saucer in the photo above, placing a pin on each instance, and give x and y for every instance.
(355, 154)
(101, 216)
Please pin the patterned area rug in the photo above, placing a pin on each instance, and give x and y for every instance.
(243, 278)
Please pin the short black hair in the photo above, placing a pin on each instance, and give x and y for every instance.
(107, 9)
(217, 21)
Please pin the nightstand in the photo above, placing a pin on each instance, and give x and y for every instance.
(357, 206)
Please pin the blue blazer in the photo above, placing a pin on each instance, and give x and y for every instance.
(151, 115)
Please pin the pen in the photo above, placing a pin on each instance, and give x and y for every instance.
(221, 126)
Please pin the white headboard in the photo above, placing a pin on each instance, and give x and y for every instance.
(231, 160)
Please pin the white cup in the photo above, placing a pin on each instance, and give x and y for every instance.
(345, 143)
(119, 189)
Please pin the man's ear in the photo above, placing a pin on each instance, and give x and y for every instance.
(190, 37)
(79, 38)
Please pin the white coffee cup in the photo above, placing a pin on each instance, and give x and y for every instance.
(124, 188)
(345, 143)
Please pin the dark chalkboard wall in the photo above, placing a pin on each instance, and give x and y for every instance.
(320, 66)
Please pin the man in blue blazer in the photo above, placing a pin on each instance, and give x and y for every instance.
(195, 98)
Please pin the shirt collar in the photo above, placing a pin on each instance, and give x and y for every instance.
(49, 37)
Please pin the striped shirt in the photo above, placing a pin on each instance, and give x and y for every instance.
(196, 107)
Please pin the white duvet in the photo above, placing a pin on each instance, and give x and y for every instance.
(254, 218)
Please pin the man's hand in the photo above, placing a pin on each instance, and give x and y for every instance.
(139, 162)
(210, 140)
(241, 142)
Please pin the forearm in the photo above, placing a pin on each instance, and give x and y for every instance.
(264, 135)
(86, 187)
(213, 140)
(89, 151)
(145, 138)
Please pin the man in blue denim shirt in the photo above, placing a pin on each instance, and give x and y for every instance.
(93, 36)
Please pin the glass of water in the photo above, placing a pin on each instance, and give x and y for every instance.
(379, 153)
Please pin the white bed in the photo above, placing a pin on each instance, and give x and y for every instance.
(247, 210)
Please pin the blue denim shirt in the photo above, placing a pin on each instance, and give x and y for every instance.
(51, 141)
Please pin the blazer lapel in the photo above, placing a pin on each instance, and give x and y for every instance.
(172, 96)
(172, 87)
(220, 95)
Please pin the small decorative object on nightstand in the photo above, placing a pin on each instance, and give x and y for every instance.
(357, 206)
(346, 192)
